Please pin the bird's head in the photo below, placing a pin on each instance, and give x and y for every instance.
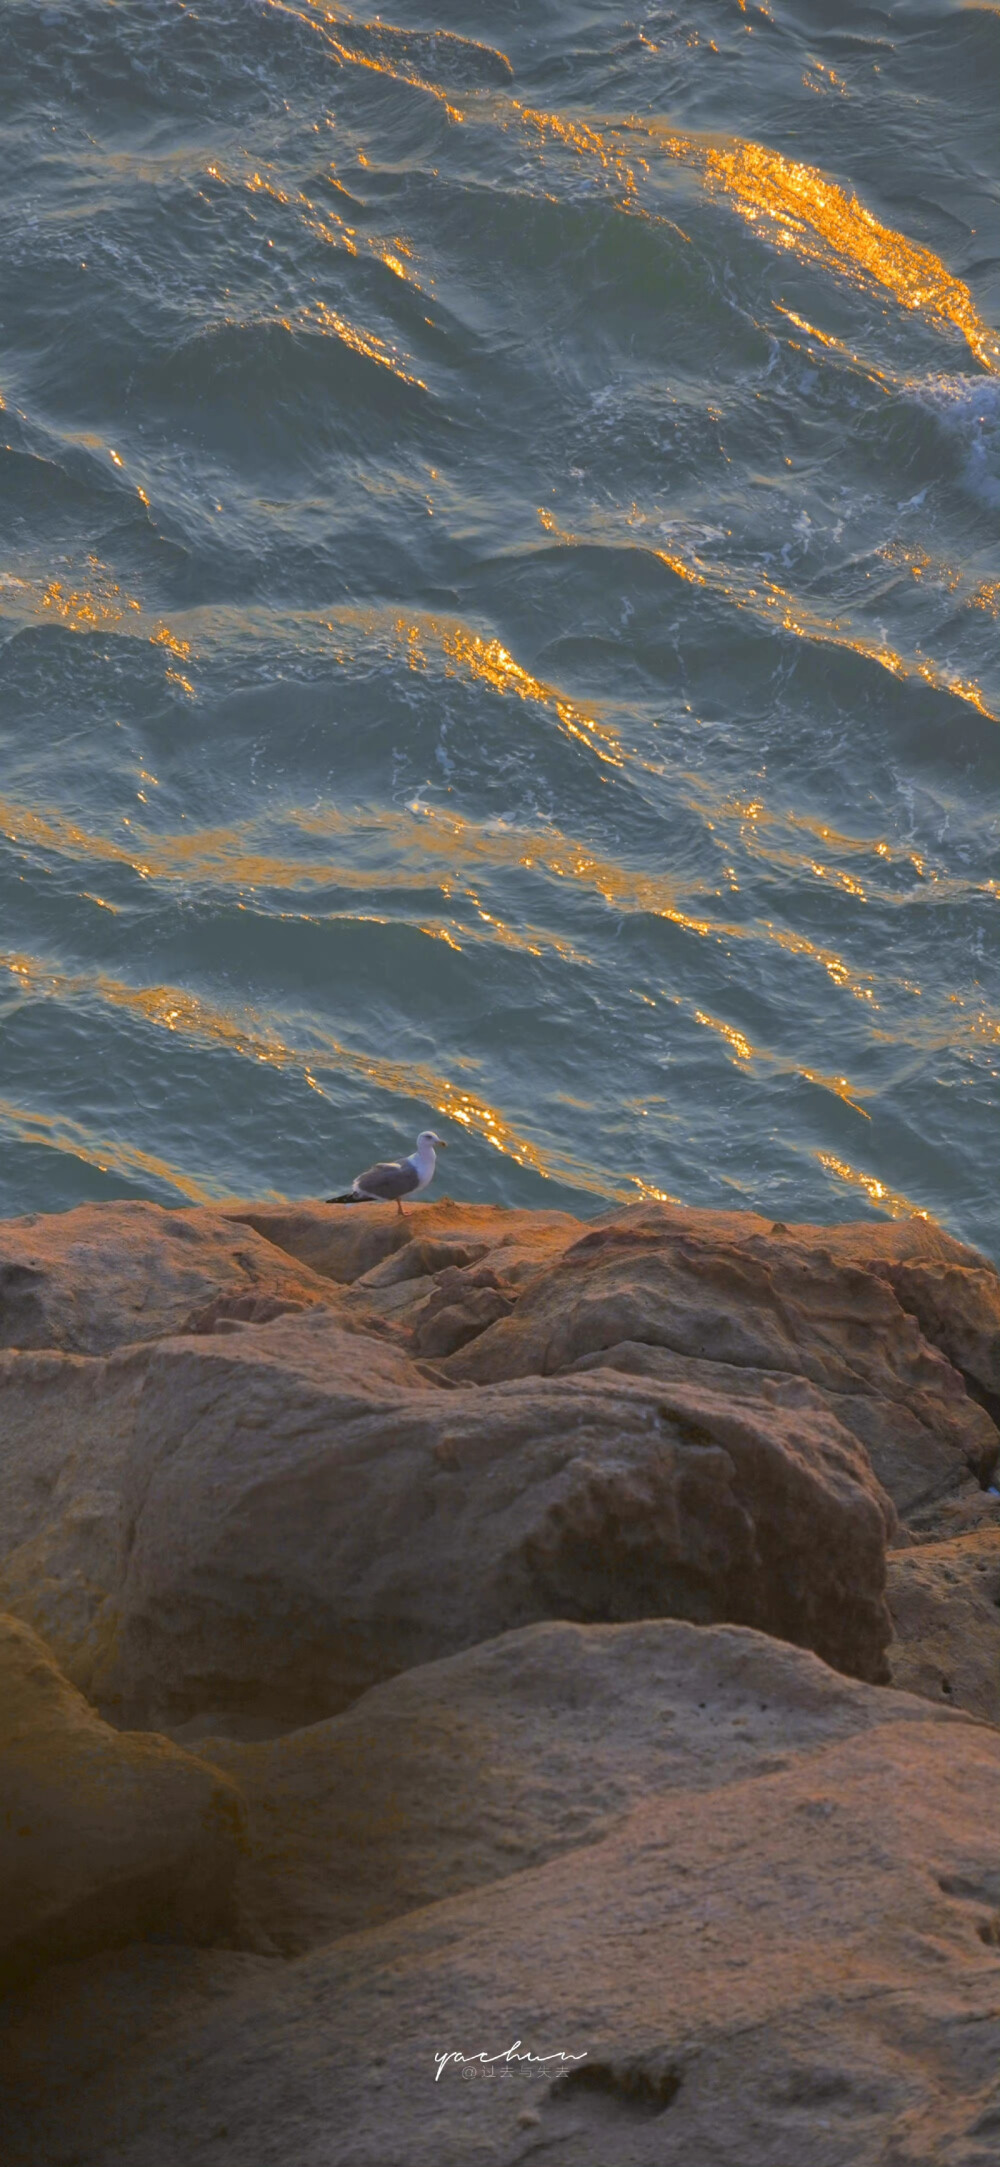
(427, 1136)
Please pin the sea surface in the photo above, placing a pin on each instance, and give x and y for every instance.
(499, 589)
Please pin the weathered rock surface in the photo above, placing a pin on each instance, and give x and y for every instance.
(945, 1604)
(268, 1516)
(464, 1771)
(254, 1462)
(106, 1274)
(348, 1244)
(273, 1519)
(687, 1287)
(104, 1838)
(771, 1935)
(952, 1291)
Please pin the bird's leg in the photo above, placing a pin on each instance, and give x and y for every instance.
(399, 1207)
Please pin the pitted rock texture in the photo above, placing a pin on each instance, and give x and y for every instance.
(723, 1289)
(273, 1519)
(769, 1935)
(104, 1837)
(347, 1243)
(945, 1603)
(488, 1763)
(104, 1275)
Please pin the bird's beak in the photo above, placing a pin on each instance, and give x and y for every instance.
(441, 1145)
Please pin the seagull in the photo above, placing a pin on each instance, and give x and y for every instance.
(395, 1178)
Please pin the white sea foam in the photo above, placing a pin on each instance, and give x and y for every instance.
(967, 408)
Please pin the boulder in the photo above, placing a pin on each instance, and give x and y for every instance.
(104, 1837)
(723, 1289)
(486, 1764)
(951, 1290)
(271, 1520)
(301, 1514)
(771, 1934)
(957, 1307)
(346, 1242)
(67, 1423)
(945, 1603)
(96, 1278)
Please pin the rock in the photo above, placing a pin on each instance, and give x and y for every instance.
(67, 1423)
(720, 1289)
(774, 1939)
(346, 1243)
(460, 1308)
(945, 1604)
(967, 1508)
(958, 1309)
(301, 1511)
(104, 1838)
(103, 1275)
(488, 1763)
(271, 1521)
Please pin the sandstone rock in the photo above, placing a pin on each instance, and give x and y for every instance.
(104, 1838)
(304, 1515)
(66, 1424)
(794, 1956)
(345, 1243)
(467, 1770)
(103, 1275)
(460, 1308)
(722, 1289)
(967, 1508)
(945, 1604)
(958, 1309)
(271, 1521)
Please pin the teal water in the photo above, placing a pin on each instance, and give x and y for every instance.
(498, 599)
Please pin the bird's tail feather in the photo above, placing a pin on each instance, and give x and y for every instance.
(347, 1197)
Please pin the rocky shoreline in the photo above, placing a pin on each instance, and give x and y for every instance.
(428, 1633)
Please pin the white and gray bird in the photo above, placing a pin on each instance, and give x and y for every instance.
(395, 1178)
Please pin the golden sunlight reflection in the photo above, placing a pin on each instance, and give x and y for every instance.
(877, 1192)
(489, 662)
(57, 1133)
(741, 1046)
(798, 208)
(415, 838)
(765, 599)
(743, 1052)
(173, 1009)
(794, 206)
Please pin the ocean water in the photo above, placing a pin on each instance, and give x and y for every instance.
(499, 585)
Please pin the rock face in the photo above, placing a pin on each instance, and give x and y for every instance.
(106, 1274)
(769, 1932)
(462, 1772)
(663, 1292)
(945, 1604)
(576, 1539)
(103, 1838)
(347, 1245)
(290, 1511)
(674, 1413)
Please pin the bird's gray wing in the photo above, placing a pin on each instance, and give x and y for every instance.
(390, 1179)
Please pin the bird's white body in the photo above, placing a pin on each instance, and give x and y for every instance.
(393, 1179)
(423, 1160)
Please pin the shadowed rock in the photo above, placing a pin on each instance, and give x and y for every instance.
(274, 1519)
(770, 1934)
(461, 1772)
(104, 1838)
